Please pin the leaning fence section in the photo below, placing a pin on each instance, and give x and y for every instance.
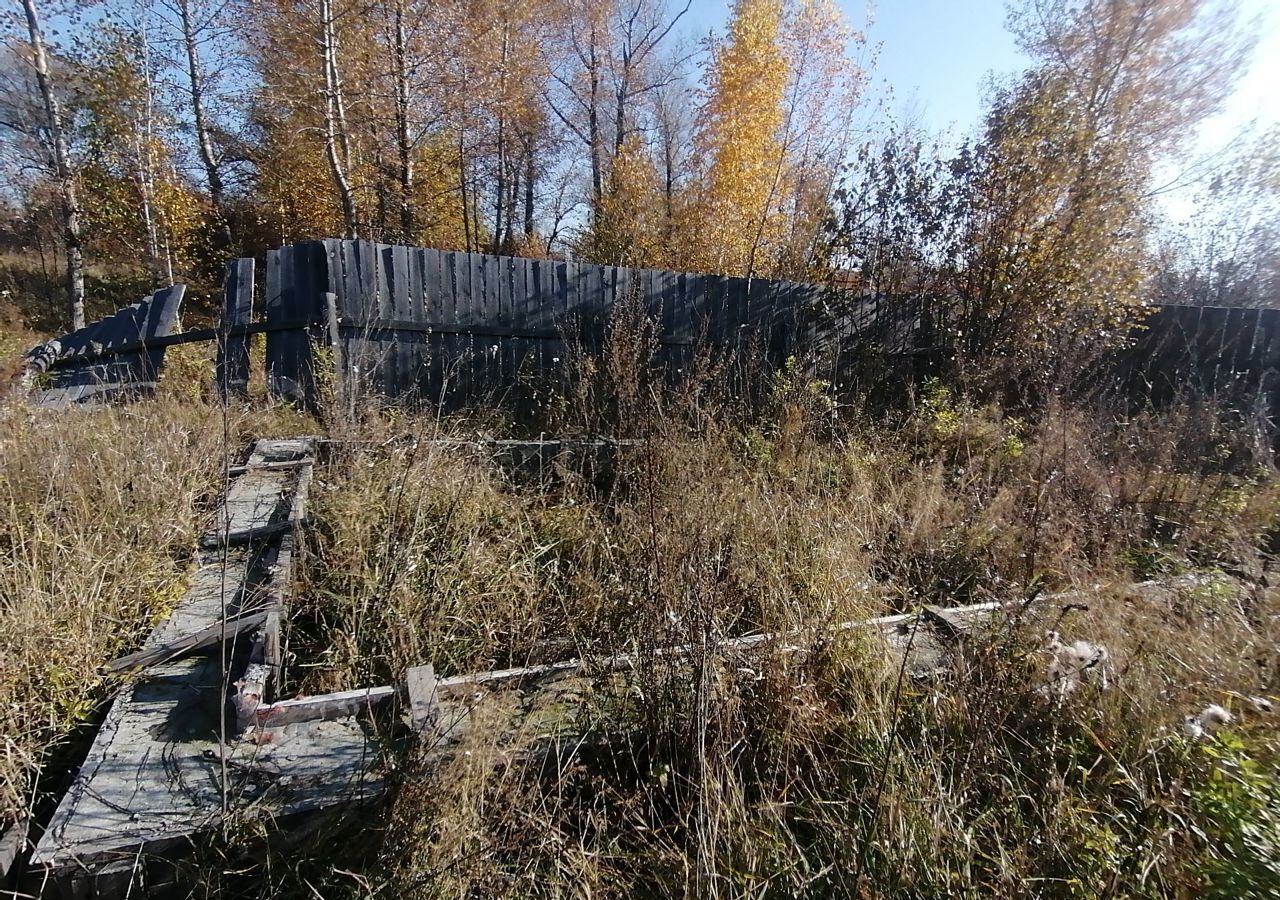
(1204, 350)
(120, 354)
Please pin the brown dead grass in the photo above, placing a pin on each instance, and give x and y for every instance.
(99, 515)
(820, 774)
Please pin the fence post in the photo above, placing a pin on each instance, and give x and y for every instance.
(333, 336)
(237, 311)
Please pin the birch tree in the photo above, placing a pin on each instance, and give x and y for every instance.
(133, 196)
(55, 128)
(200, 43)
(337, 141)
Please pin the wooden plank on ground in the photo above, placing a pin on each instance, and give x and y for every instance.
(188, 643)
(155, 774)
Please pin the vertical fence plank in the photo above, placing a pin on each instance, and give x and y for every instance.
(429, 313)
(451, 346)
(490, 293)
(562, 275)
(279, 266)
(534, 318)
(307, 303)
(333, 335)
(404, 342)
(506, 355)
(469, 288)
(388, 365)
(548, 287)
(421, 354)
(271, 297)
(594, 313)
(237, 310)
(522, 298)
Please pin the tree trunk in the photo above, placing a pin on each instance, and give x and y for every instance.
(593, 127)
(500, 189)
(335, 123)
(620, 112)
(212, 174)
(529, 176)
(62, 168)
(144, 153)
(404, 144)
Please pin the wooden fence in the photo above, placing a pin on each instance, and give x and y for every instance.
(119, 354)
(455, 327)
(459, 329)
(1204, 350)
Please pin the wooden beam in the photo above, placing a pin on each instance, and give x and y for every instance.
(197, 640)
(301, 492)
(245, 535)
(373, 326)
(345, 703)
(424, 705)
(250, 689)
(321, 707)
(785, 641)
(194, 336)
(271, 466)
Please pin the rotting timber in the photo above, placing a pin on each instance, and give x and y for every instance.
(158, 773)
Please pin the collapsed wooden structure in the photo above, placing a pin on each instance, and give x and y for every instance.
(120, 355)
(199, 737)
(167, 762)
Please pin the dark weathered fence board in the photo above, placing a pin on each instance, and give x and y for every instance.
(233, 348)
(460, 328)
(450, 346)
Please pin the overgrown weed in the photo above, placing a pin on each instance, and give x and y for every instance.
(824, 773)
(712, 773)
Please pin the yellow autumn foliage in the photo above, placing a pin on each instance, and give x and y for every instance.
(630, 225)
(738, 136)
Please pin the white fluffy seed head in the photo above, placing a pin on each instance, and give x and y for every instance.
(1214, 716)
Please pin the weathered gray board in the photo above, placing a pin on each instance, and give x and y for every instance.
(1226, 352)
(232, 370)
(153, 777)
(81, 367)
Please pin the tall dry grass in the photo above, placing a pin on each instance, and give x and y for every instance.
(826, 773)
(100, 511)
(713, 774)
